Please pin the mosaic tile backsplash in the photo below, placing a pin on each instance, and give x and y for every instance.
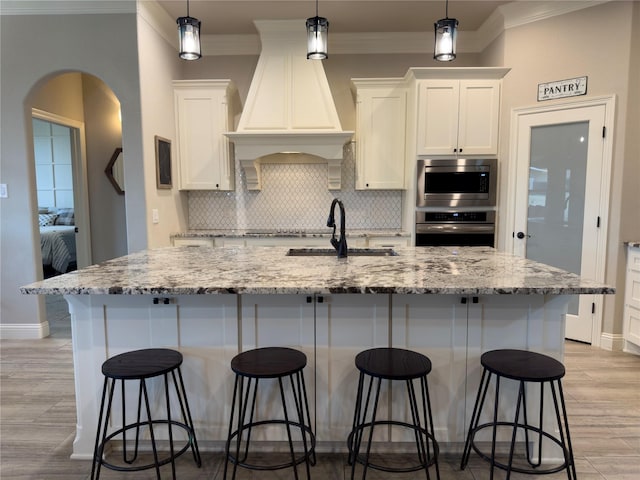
(295, 196)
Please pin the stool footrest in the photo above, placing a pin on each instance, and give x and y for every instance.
(308, 455)
(535, 470)
(164, 461)
(431, 456)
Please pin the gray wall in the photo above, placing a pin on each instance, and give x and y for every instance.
(101, 45)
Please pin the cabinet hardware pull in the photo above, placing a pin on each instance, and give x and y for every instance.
(309, 299)
(463, 300)
(475, 299)
(320, 299)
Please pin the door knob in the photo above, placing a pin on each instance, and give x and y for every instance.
(521, 235)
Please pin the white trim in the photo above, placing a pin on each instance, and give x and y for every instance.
(80, 183)
(24, 331)
(609, 102)
(66, 7)
(611, 341)
(630, 347)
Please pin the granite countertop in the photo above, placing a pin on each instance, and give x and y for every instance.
(268, 270)
(287, 233)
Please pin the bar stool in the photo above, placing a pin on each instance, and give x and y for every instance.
(264, 363)
(142, 365)
(524, 367)
(393, 364)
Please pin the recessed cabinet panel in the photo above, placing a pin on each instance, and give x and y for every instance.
(203, 114)
(381, 134)
(458, 117)
(631, 317)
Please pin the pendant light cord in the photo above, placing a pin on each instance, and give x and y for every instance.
(188, 8)
(446, 8)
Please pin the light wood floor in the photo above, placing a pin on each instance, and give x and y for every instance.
(38, 418)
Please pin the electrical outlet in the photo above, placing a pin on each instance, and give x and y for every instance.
(3, 190)
(155, 216)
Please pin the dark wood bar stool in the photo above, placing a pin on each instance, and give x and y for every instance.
(523, 367)
(250, 367)
(393, 364)
(142, 365)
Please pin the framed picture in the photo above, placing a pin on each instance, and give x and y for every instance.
(163, 162)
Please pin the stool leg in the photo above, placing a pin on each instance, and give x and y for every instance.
(356, 421)
(568, 449)
(300, 398)
(124, 422)
(228, 443)
(288, 426)
(169, 425)
(361, 419)
(423, 451)
(520, 401)
(306, 405)
(428, 415)
(373, 421)
(186, 414)
(475, 417)
(99, 447)
(150, 422)
(495, 427)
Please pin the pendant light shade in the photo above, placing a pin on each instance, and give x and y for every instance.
(189, 35)
(446, 31)
(317, 37)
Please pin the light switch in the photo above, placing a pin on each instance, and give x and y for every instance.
(155, 216)
(3, 190)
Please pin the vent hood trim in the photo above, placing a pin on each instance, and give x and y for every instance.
(289, 106)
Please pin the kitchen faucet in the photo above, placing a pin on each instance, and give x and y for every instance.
(341, 244)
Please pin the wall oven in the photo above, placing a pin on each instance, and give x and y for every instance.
(455, 228)
(456, 182)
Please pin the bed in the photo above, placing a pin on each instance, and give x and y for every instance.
(58, 241)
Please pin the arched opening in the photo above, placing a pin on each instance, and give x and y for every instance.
(76, 128)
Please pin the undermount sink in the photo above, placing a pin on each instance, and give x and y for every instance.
(352, 252)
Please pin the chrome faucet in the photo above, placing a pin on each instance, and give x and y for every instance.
(341, 244)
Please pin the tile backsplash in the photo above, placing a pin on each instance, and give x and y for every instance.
(295, 196)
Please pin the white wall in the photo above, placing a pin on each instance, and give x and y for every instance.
(102, 45)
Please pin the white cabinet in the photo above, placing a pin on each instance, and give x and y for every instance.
(204, 110)
(458, 117)
(381, 110)
(631, 319)
(393, 241)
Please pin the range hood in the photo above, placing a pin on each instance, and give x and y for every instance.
(289, 108)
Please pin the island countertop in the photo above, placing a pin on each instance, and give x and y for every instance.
(268, 270)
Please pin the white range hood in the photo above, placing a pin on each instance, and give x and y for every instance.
(289, 107)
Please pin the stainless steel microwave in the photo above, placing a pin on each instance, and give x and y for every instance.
(456, 182)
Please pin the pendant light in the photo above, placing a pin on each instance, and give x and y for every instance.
(317, 37)
(446, 31)
(189, 34)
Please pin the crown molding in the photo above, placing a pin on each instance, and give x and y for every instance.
(507, 16)
(66, 7)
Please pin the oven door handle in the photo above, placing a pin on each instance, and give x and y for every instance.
(453, 228)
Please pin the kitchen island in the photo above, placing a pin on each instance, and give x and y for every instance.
(451, 304)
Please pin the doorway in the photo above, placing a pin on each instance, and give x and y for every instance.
(65, 237)
(562, 156)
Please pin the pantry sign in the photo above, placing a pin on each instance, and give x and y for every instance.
(562, 88)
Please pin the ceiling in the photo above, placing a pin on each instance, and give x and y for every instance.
(220, 17)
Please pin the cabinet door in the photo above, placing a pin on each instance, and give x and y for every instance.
(380, 148)
(388, 242)
(437, 117)
(632, 299)
(203, 150)
(193, 242)
(436, 326)
(278, 321)
(479, 117)
(345, 326)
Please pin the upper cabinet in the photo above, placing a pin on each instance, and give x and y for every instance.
(458, 117)
(205, 110)
(381, 111)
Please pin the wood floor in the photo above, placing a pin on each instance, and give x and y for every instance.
(38, 418)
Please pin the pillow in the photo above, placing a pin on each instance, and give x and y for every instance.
(65, 217)
(43, 209)
(47, 219)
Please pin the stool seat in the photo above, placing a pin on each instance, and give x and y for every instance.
(268, 362)
(522, 365)
(393, 363)
(139, 364)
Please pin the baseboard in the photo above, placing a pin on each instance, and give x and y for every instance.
(24, 331)
(611, 341)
